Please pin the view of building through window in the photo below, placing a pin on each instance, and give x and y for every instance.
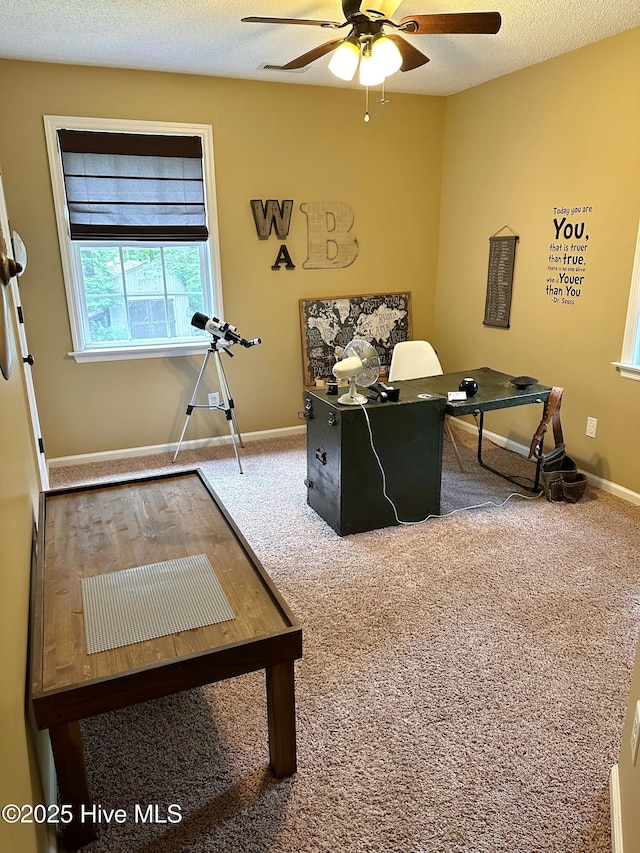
(142, 292)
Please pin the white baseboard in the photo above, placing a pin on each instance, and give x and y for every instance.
(594, 480)
(151, 450)
(127, 452)
(616, 811)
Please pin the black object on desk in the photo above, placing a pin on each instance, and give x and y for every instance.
(344, 482)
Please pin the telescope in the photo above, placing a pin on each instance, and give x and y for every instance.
(225, 333)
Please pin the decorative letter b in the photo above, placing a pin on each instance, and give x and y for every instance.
(330, 246)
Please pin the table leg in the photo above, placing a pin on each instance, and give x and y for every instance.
(281, 712)
(516, 480)
(73, 785)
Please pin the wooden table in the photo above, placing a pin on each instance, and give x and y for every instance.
(106, 528)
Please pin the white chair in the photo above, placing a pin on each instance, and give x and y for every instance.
(417, 360)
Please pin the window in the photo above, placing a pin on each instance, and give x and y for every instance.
(136, 214)
(629, 364)
(138, 294)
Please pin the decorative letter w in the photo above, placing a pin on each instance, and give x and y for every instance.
(270, 214)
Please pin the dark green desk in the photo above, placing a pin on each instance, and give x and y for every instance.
(343, 479)
(495, 391)
(344, 482)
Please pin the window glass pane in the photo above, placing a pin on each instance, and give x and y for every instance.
(101, 271)
(148, 318)
(143, 270)
(183, 266)
(106, 319)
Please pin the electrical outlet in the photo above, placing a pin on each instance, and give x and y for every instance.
(592, 427)
(635, 733)
(214, 399)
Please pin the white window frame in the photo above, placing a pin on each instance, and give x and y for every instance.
(629, 364)
(83, 350)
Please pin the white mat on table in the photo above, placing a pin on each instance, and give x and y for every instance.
(147, 602)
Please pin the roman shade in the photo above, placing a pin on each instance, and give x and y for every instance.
(130, 186)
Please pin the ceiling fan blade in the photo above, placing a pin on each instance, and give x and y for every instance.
(454, 23)
(350, 7)
(411, 56)
(310, 56)
(384, 8)
(255, 20)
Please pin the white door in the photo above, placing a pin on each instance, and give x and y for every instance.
(24, 356)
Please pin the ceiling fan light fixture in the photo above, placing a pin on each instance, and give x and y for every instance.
(371, 71)
(386, 54)
(345, 59)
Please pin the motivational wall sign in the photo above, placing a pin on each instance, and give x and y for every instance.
(330, 243)
(568, 250)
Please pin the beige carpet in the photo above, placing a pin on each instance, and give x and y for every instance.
(462, 690)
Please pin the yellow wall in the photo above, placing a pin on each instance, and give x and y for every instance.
(566, 132)
(455, 170)
(271, 141)
(18, 492)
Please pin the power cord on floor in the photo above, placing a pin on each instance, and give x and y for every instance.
(429, 517)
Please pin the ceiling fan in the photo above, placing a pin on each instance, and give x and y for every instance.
(380, 53)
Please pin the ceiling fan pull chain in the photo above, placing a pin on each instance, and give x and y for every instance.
(366, 103)
(383, 100)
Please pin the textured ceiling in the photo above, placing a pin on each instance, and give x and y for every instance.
(207, 37)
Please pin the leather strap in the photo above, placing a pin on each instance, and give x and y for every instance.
(551, 413)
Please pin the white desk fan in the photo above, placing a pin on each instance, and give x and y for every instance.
(360, 364)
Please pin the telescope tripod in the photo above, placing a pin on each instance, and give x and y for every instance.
(225, 406)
